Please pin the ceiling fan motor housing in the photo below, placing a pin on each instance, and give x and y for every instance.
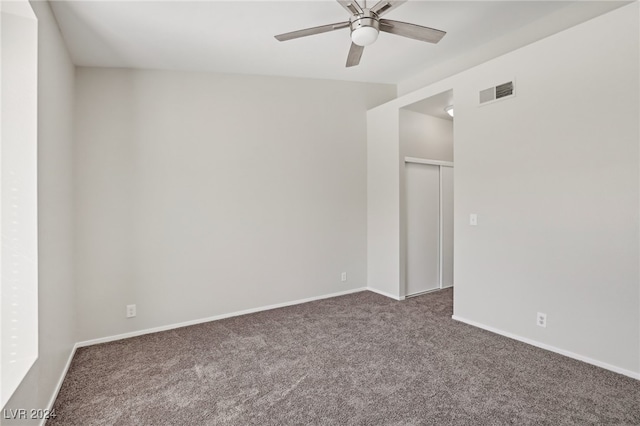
(364, 28)
(365, 25)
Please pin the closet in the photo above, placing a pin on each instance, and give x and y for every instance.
(429, 225)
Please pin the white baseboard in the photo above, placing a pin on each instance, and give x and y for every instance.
(213, 318)
(384, 293)
(311, 299)
(56, 391)
(625, 372)
(178, 325)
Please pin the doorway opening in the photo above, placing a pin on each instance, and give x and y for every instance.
(426, 150)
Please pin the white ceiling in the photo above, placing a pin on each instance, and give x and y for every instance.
(237, 36)
(434, 105)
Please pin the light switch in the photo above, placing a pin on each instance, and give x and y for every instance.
(473, 219)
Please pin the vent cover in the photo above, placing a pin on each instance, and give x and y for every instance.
(503, 90)
(487, 95)
(494, 93)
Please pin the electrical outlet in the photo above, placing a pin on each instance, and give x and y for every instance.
(343, 276)
(131, 311)
(541, 320)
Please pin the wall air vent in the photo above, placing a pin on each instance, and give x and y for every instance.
(498, 92)
(503, 90)
(488, 95)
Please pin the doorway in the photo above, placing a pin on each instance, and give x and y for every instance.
(426, 146)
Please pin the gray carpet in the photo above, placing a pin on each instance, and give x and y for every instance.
(360, 359)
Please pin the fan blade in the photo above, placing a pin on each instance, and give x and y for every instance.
(385, 6)
(352, 6)
(311, 31)
(355, 53)
(413, 31)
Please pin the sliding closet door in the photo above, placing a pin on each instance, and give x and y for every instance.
(446, 184)
(423, 227)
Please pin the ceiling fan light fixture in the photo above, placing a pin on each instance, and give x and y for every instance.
(365, 25)
(364, 36)
(364, 28)
(449, 110)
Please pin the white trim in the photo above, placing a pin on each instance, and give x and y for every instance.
(56, 391)
(213, 318)
(65, 370)
(625, 372)
(384, 293)
(422, 293)
(440, 229)
(425, 161)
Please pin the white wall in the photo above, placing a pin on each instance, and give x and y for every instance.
(383, 199)
(425, 136)
(553, 175)
(19, 202)
(56, 216)
(566, 16)
(202, 194)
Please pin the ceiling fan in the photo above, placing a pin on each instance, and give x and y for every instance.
(365, 25)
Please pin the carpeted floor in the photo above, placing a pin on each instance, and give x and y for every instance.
(360, 359)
